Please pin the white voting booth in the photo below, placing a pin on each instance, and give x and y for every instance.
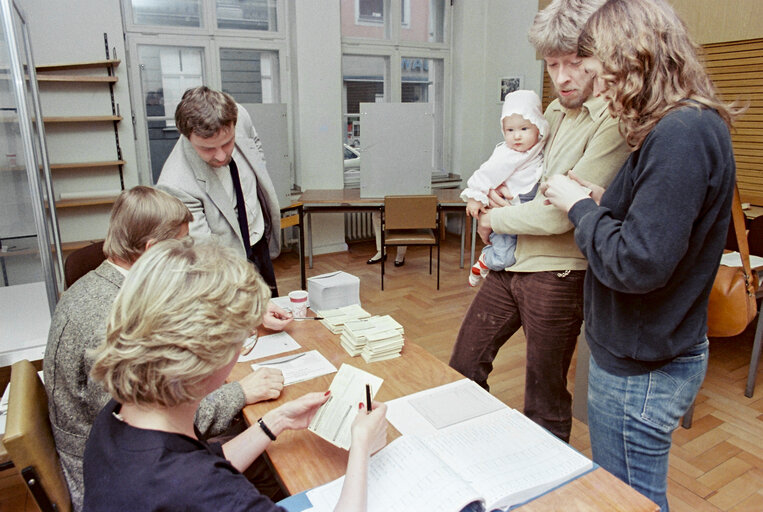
(396, 149)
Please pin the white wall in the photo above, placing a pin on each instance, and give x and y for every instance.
(489, 42)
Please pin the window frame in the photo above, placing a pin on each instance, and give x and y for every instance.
(395, 49)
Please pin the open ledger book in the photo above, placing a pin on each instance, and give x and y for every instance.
(499, 459)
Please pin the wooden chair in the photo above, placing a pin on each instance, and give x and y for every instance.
(82, 261)
(411, 220)
(297, 220)
(29, 440)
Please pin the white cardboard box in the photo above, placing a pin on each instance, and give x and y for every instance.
(333, 290)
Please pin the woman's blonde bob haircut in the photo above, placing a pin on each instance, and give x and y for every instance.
(182, 314)
(141, 215)
(651, 65)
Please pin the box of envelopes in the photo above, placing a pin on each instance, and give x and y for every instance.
(333, 290)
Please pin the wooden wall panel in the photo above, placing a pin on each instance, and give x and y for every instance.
(737, 70)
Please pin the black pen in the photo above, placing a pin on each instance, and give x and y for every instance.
(368, 397)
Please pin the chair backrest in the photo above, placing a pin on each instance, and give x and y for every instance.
(29, 439)
(410, 212)
(755, 236)
(82, 261)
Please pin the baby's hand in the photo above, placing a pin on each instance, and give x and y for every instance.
(474, 208)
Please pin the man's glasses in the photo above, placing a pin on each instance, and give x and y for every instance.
(249, 344)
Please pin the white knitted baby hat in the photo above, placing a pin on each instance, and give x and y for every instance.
(526, 104)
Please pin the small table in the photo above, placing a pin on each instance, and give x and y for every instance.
(349, 200)
(303, 460)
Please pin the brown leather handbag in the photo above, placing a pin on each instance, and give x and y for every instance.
(732, 299)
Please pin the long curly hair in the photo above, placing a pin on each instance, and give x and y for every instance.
(651, 65)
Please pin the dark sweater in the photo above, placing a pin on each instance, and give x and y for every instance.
(654, 244)
(128, 468)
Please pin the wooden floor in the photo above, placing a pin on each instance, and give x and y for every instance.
(716, 465)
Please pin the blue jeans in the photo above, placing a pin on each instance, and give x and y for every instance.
(631, 419)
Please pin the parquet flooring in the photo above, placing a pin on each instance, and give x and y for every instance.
(717, 465)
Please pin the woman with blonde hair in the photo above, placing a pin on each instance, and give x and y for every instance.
(173, 336)
(653, 239)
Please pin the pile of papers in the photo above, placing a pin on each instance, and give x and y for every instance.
(334, 319)
(375, 339)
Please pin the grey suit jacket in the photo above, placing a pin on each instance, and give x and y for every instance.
(189, 178)
(74, 399)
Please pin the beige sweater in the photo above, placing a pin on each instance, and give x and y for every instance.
(586, 140)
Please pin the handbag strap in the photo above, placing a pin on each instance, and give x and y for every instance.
(737, 216)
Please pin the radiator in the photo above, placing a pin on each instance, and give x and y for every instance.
(358, 226)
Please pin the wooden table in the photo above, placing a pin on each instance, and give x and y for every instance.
(303, 460)
(349, 200)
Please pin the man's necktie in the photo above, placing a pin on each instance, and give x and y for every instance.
(240, 207)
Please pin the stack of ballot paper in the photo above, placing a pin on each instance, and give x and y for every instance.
(376, 338)
(334, 319)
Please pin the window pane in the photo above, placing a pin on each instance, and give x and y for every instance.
(250, 76)
(422, 82)
(166, 73)
(247, 14)
(416, 79)
(173, 13)
(423, 21)
(363, 18)
(363, 78)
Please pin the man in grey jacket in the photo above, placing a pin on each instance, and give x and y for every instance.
(217, 168)
(140, 217)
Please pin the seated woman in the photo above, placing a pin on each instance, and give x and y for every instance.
(173, 336)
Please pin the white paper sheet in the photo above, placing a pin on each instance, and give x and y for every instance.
(733, 259)
(334, 418)
(444, 405)
(270, 345)
(299, 367)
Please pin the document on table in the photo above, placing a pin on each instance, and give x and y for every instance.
(270, 345)
(432, 409)
(499, 459)
(334, 418)
(299, 367)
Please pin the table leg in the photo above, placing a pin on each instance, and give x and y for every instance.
(463, 239)
(474, 239)
(309, 240)
(302, 273)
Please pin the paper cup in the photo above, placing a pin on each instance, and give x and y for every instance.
(298, 299)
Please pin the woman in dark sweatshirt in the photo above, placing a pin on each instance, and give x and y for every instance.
(653, 240)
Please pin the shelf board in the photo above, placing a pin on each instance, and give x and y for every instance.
(77, 78)
(85, 201)
(65, 247)
(83, 165)
(78, 65)
(71, 165)
(80, 119)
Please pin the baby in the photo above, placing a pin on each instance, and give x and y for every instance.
(516, 163)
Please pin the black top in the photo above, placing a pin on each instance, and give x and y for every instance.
(128, 468)
(654, 244)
